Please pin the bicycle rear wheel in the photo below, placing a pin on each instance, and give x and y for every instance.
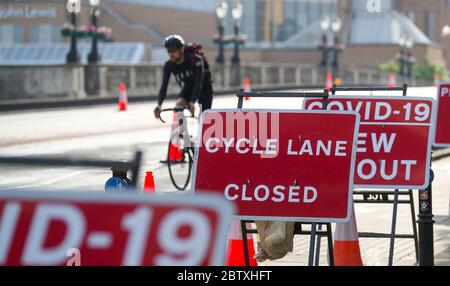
(179, 162)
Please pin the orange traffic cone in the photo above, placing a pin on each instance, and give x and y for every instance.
(346, 244)
(337, 81)
(436, 80)
(392, 80)
(246, 85)
(175, 153)
(149, 183)
(328, 81)
(123, 98)
(235, 251)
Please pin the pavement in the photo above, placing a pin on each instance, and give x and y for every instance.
(377, 218)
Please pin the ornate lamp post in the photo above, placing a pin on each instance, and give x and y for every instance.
(236, 12)
(401, 57)
(324, 26)
(330, 47)
(73, 7)
(94, 56)
(410, 60)
(336, 27)
(446, 31)
(221, 12)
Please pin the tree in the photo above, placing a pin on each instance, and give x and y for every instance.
(391, 66)
(424, 71)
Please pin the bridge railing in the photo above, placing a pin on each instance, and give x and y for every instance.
(52, 82)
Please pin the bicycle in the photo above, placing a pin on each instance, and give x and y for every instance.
(180, 152)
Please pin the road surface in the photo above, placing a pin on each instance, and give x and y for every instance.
(101, 132)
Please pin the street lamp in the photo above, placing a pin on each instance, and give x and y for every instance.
(94, 56)
(336, 27)
(221, 12)
(324, 26)
(73, 7)
(446, 31)
(402, 43)
(409, 58)
(236, 12)
(330, 47)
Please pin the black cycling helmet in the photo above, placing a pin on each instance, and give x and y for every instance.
(173, 42)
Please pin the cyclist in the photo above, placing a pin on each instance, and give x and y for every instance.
(191, 73)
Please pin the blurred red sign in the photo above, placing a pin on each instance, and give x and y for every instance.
(279, 164)
(112, 229)
(442, 135)
(394, 142)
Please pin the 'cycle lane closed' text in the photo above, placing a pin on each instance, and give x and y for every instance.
(279, 164)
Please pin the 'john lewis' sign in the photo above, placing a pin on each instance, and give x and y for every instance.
(26, 12)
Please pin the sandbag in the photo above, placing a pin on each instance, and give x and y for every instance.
(275, 239)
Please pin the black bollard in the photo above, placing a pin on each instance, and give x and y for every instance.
(119, 180)
(425, 222)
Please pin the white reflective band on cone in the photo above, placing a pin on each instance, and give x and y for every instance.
(347, 231)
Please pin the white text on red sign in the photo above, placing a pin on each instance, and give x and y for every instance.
(45, 232)
(389, 126)
(272, 170)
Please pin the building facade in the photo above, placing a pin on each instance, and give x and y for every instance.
(278, 30)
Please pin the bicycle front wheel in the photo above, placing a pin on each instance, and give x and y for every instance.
(179, 162)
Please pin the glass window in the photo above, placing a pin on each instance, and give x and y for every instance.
(56, 33)
(45, 33)
(18, 33)
(10, 33)
(33, 32)
(430, 24)
(260, 14)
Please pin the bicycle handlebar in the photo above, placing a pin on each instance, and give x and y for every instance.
(176, 109)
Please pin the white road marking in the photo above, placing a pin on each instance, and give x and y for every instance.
(55, 180)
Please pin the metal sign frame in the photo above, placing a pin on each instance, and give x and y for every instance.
(134, 165)
(241, 94)
(385, 200)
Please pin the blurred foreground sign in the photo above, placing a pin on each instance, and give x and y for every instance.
(112, 229)
(442, 137)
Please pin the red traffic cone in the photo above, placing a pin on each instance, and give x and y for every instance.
(149, 183)
(175, 154)
(328, 81)
(123, 98)
(346, 244)
(246, 85)
(235, 251)
(392, 80)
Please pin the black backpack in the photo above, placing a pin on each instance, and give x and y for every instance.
(195, 48)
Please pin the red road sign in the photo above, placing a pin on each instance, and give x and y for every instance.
(394, 144)
(112, 229)
(442, 134)
(279, 164)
